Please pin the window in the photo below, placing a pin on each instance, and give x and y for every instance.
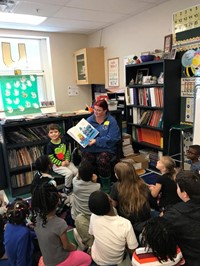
(31, 56)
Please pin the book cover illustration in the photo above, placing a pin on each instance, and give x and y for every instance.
(83, 132)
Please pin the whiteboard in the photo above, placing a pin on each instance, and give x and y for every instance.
(196, 137)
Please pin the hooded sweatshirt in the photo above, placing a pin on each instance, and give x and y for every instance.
(185, 218)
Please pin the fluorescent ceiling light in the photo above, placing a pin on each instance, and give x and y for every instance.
(21, 18)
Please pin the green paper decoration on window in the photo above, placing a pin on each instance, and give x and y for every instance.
(20, 95)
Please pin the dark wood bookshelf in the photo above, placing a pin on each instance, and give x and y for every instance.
(9, 173)
(170, 109)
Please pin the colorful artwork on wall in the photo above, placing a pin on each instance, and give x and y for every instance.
(190, 61)
(19, 95)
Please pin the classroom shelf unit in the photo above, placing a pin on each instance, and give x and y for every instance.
(153, 108)
(23, 142)
(121, 103)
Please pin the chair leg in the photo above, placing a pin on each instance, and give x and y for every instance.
(169, 141)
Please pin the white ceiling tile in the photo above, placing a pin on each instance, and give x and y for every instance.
(89, 15)
(79, 16)
(73, 23)
(113, 6)
(40, 9)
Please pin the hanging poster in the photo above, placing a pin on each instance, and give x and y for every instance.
(19, 95)
(113, 72)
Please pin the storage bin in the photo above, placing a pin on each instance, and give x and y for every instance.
(112, 105)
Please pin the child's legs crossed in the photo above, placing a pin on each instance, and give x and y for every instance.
(66, 172)
(77, 258)
(82, 222)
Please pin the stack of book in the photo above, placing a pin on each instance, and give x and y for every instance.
(126, 145)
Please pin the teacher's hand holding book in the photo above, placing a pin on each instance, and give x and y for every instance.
(92, 142)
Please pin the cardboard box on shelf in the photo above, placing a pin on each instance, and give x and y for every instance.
(139, 161)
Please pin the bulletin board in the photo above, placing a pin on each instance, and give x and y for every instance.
(19, 95)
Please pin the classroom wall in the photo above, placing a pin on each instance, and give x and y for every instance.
(141, 33)
(62, 48)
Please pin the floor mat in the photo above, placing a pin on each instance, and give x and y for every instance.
(71, 236)
(150, 178)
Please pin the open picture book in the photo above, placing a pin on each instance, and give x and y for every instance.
(83, 132)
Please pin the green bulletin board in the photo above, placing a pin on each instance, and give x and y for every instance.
(19, 94)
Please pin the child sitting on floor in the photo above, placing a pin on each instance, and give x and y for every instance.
(51, 230)
(83, 185)
(18, 238)
(43, 166)
(193, 154)
(112, 233)
(185, 216)
(165, 187)
(159, 245)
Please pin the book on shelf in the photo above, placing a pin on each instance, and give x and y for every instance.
(135, 115)
(83, 132)
(153, 97)
(127, 96)
(21, 180)
(150, 136)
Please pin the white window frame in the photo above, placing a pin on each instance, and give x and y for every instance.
(45, 76)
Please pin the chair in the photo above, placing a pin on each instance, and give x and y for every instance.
(181, 130)
(76, 156)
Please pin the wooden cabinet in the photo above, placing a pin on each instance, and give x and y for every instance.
(89, 66)
(153, 108)
(22, 142)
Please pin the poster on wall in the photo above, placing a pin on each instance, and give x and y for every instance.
(186, 19)
(186, 24)
(190, 61)
(113, 72)
(187, 87)
(19, 95)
